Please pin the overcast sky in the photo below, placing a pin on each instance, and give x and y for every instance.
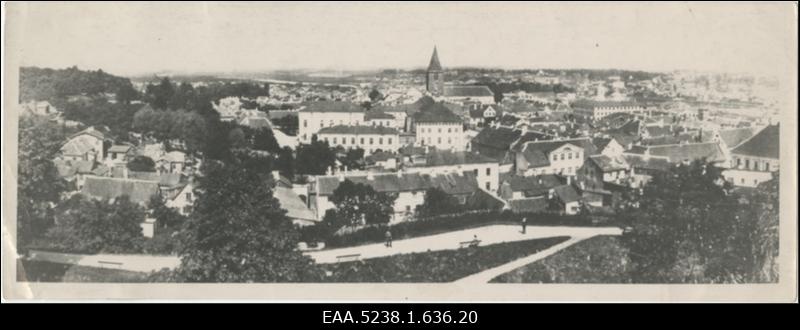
(132, 39)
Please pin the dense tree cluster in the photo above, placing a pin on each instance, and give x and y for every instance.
(168, 95)
(690, 227)
(238, 232)
(437, 202)
(51, 85)
(359, 204)
(98, 226)
(185, 126)
(315, 158)
(38, 184)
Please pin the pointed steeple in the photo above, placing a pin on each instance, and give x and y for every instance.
(435, 65)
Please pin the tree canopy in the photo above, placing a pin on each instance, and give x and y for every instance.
(39, 185)
(690, 227)
(238, 232)
(98, 226)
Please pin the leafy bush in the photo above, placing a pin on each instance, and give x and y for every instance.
(439, 266)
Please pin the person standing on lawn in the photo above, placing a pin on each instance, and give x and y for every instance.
(524, 223)
(388, 238)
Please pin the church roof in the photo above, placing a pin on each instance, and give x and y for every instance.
(435, 65)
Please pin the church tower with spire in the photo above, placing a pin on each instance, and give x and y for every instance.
(434, 77)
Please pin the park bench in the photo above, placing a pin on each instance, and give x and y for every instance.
(348, 257)
(115, 264)
(472, 243)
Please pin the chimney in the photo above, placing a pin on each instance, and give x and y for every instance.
(400, 173)
(345, 169)
(540, 180)
(569, 179)
(370, 176)
(125, 172)
(276, 175)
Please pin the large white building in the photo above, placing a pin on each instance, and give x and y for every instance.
(438, 127)
(598, 109)
(369, 138)
(318, 115)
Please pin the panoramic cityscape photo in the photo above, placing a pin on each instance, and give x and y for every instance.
(471, 143)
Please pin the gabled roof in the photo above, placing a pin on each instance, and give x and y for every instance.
(95, 131)
(567, 193)
(409, 109)
(139, 191)
(434, 65)
(80, 144)
(710, 151)
(765, 144)
(736, 136)
(374, 114)
(359, 130)
(291, 202)
(499, 138)
(254, 122)
(606, 163)
(591, 104)
(641, 162)
(537, 153)
(445, 158)
(467, 91)
(332, 106)
(436, 113)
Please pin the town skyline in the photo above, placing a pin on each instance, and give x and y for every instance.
(366, 37)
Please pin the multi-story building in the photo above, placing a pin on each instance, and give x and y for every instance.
(485, 169)
(369, 138)
(595, 110)
(564, 157)
(756, 159)
(438, 127)
(318, 115)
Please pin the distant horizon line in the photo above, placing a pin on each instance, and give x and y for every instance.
(379, 69)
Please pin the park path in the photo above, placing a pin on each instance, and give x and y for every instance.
(488, 235)
(487, 275)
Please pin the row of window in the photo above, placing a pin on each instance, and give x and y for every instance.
(438, 140)
(439, 130)
(331, 123)
(567, 155)
(755, 165)
(361, 140)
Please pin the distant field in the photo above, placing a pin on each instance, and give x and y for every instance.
(600, 259)
(40, 271)
(438, 266)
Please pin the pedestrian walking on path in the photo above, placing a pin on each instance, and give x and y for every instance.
(388, 238)
(524, 224)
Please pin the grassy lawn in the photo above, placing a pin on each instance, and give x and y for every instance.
(438, 266)
(599, 259)
(40, 271)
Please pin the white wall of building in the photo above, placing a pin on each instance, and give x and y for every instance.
(311, 122)
(443, 136)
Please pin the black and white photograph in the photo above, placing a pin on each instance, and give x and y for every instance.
(400, 151)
